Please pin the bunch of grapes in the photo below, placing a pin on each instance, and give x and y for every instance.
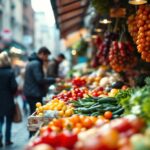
(121, 56)
(132, 26)
(103, 51)
(143, 38)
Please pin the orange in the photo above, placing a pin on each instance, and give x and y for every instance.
(87, 123)
(57, 123)
(76, 130)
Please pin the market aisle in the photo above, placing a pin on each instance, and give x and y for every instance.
(19, 134)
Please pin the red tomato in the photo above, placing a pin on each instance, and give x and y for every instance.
(137, 124)
(51, 138)
(128, 133)
(108, 114)
(44, 129)
(68, 139)
(120, 124)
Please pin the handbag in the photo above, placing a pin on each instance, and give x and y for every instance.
(17, 117)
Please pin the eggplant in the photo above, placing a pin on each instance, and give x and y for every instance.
(117, 84)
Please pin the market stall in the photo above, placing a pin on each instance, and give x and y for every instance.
(106, 106)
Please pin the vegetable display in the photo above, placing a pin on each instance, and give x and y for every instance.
(136, 101)
(95, 106)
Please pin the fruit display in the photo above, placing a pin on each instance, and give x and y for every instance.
(117, 134)
(132, 26)
(139, 28)
(110, 136)
(79, 82)
(143, 38)
(95, 106)
(73, 94)
(53, 109)
(121, 56)
(54, 140)
(75, 123)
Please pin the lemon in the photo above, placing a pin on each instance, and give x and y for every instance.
(64, 108)
(61, 113)
(38, 104)
(68, 112)
(40, 115)
(41, 109)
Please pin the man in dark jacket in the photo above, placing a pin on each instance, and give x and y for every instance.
(53, 67)
(35, 82)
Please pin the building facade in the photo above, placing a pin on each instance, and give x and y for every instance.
(17, 17)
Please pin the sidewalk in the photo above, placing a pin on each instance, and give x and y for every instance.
(19, 134)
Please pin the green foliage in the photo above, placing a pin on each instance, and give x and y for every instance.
(101, 6)
(81, 47)
(136, 101)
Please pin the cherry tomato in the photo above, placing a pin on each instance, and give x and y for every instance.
(108, 114)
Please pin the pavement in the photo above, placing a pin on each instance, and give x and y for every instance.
(20, 135)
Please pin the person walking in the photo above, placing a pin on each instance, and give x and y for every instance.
(34, 81)
(53, 66)
(8, 88)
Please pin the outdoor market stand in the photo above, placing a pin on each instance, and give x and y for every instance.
(105, 104)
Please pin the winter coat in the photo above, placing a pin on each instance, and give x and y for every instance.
(8, 88)
(35, 82)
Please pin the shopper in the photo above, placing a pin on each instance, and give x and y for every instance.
(53, 67)
(8, 88)
(20, 82)
(35, 82)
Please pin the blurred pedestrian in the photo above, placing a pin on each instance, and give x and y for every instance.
(53, 67)
(35, 82)
(20, 81)
(8, 89)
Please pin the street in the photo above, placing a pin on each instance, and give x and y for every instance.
(20, 135)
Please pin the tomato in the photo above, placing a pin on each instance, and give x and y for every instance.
(68, 139)
(44, 129)
(120, 124)
(52, 139)
(37, 141)
(137, 124)
(108, 114)
(110, 139)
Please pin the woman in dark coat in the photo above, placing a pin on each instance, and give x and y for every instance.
(8, 88)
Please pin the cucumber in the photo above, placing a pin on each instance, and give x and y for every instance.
(87, 110)
(115, 116)
(119, 111)
(95, 114)
(114, 108)
(107, 100)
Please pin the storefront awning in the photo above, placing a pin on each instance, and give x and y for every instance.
(69, 15)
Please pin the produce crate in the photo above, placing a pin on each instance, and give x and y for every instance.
(35, 122)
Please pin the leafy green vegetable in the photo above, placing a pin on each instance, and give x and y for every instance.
(136, 101)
